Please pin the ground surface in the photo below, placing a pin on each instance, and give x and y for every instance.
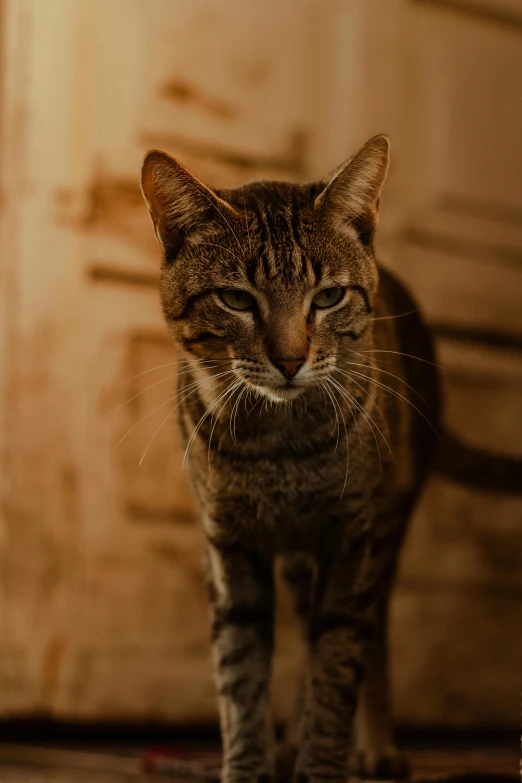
(31, 764)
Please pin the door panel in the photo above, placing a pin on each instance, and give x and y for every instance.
(462, 241)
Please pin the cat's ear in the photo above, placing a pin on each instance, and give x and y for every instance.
(352, 193)
(181, 207)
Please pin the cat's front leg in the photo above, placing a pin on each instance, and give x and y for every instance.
(242, 606)
(340, 626)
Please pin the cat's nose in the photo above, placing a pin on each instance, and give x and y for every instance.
(289, 367)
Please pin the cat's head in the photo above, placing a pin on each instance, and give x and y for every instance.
(270, 276)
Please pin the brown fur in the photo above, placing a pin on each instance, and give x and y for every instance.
(321, 469)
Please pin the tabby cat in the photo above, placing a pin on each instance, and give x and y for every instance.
(308, 405)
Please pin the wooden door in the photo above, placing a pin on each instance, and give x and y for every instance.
(102, 604)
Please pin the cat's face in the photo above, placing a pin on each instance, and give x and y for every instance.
(268, 279)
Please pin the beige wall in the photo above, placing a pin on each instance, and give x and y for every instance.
(102, 606)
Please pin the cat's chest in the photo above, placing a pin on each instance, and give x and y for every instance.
(294, 481)
(291, 494)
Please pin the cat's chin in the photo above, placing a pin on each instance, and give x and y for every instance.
(281, 393)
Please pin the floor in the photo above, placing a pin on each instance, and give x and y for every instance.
(32, 764)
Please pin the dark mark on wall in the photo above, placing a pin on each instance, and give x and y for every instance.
(482, 337)
(482, 209)
(492, 591)
(168, 551)
(256, 72)
(291, 161)
(182, 92)
(104, 273)
(474, 380)
(484, 252)
(488, 13)
(53, 657)
(164, 516)
(110, 197)
(144, 338)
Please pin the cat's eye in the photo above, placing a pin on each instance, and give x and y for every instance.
(328, 297)
(236, 299)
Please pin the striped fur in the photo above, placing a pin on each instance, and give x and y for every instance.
(323, 470)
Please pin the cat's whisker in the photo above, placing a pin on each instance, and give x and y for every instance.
(166, 419)
(369, 420)
(157, 408)
(320, 385)
(149, 444)
(374, 363)
(232, 390)
(171, 364)
(257, 399)
(138, 394)
(157, 383)
(233, 417)
(336, 417)
(339, 409)
(226, 399)
(247, 400)
(235, 387)
(377, 407)
(347, 441)
(395, 394)
(399, 353)
(398, 315)
(208, 412)
(356, 424)
(243, 395)
(198, 425)
(193, 386)
(386, 372)
(367, 417)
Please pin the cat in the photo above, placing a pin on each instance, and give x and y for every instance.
(309, 407)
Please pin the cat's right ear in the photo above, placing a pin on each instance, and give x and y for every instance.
(351, 195)
(181, 207)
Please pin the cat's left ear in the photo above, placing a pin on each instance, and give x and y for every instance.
(182, 208)
(352, 193)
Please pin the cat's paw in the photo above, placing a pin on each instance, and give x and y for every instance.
(383, 764)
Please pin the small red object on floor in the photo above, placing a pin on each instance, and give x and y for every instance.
(184, 763)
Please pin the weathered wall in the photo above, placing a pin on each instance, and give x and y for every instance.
(102, 605)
